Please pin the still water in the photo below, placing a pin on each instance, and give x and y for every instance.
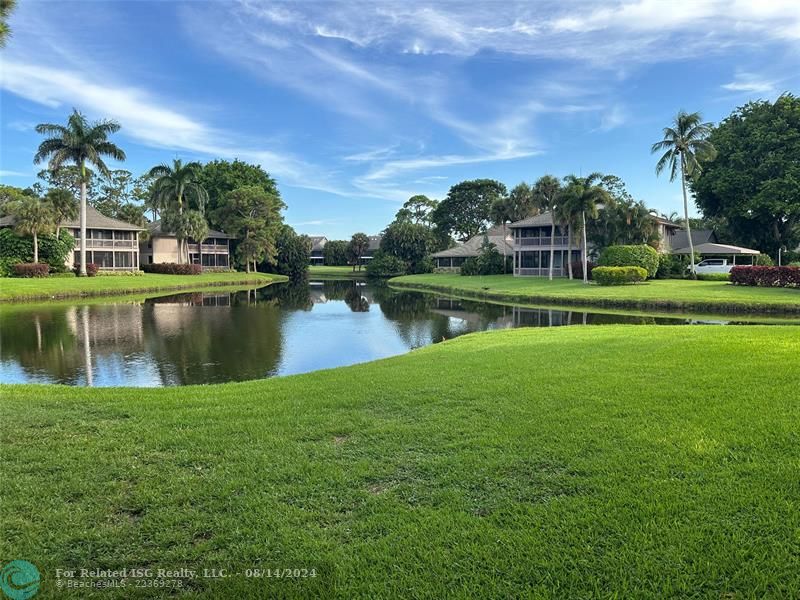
(281, 329)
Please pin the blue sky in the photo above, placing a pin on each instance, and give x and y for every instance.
(354, 107)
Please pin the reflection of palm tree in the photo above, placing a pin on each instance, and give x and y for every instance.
(355, 300)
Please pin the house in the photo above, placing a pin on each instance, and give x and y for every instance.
(317, 249)
(162, 247)
(374, 246)
(450, 260)
(111, 244)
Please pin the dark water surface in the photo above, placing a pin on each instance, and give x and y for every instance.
(281, 329)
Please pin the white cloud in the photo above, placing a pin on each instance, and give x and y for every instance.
(749, 83)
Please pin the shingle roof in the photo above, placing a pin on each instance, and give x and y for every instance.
(536, 221)
(318, 242)
(94, 220)
(155, 231)
(722, 249)
(679, 239)
(472, 247)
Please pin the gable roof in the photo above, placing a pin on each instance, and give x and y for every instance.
(155, 231)
(540, 220)
(94, 220)
(317, 242)
(472, 247)
(679, 239)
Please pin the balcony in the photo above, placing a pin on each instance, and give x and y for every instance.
(209, 248)
(108, 244)
(559, 240)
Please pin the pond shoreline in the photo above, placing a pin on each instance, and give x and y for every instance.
(646, 304)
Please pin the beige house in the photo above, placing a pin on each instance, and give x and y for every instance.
(162, 247)
(450, 260)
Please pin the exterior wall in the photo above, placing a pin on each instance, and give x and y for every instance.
(163, 249)
(532, 252)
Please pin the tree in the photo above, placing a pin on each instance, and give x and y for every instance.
(114, 192)
(78, 143)
(69, 177)
(63, 205)
(411, 243)
(465, 210)
(32, 217)
(292, 253)
(175, 190)
(753, 184)
(359, 244)
(219, 177)
(6, 7)
(545, 194)
(417, 209)
(253, 215)
(10, 194)
(517, 205)
(583, 196)
(334, 254)
(685, 145)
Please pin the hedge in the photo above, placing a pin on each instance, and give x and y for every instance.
(31, 269)
(766, 276)
(91, 269)
(618, 275)
(172, 269)
(713, 276)
(643, 256)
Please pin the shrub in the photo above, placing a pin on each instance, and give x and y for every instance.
(91, 269)
(577, 268)
(62, 275)
(52, 250)
(172, 269)
(643, 256)
(31, 269)
(6, 265)
(385, 265)
(470, 266)
(764, 260)
(766, 276)
(713, 276)
(120, 273)
(618, 275)
(674, 266)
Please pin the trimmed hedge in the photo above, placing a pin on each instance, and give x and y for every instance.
(766, 276)
(618, 275)
(713, 276)
(31, 269)
(91, 269)
(643, 256)
(172, 269)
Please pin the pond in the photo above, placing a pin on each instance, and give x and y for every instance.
(197, 338)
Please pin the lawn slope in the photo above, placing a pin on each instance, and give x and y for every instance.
(609, 461)
(659, 294)
(20, 289)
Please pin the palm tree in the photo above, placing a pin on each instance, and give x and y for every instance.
(80, 142)
(6, 7)
(685, 145)
(32, 217)
(176, 190)
(63, 204)
(546, 190)
(582, 196)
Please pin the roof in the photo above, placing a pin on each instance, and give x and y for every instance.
(541, 220)
(723, 249)
(374, 242)
(472, 247)
(155, 231)
(94, 220)
(317, 242)
(679, 239)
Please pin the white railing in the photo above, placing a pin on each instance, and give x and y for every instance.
(100, 244)
(542, 241)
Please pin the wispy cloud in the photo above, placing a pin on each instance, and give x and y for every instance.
(750, 83)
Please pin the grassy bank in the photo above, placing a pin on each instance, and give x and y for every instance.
(336, 272)
(667, 294)
(636, 462)
(16, 289)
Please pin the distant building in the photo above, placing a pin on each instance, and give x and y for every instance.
(317, 249)
(452, 258)
(162, 247)
(111, 244)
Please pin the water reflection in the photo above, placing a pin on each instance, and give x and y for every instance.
(277, 330)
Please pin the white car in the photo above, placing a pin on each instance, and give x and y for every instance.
(713, 265)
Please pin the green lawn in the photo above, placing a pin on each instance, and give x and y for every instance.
(609, 461)
(672, 294)
(15, 289)
(336, 272)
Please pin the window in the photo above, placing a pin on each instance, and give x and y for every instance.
(100, 234)
(530, 260)
(222, 260)
(103, 259)
(124, 259)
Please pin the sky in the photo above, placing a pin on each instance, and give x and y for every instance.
(354, 107)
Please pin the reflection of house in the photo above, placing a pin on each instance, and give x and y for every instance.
(162, 247)
(111, 244)
(317, 249)
(452, 258)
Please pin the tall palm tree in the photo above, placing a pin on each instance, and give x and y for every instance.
(176, 190)
(6, 7)
(546, 191)
(685, 146)
(32, 217)
(79, 143)
(584, 196)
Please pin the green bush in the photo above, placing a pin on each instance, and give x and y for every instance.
(764, 260)
(713, 276)
(63, 275)
(385, 265)
(643, 256)
(618, 275)
(136, 273)
(52, 250)
(674, 266)
(7, 265)
(470, 266)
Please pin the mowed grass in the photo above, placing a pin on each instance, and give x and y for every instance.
(609, 461)
(15, 289)
(336, 272)
(672, 294)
